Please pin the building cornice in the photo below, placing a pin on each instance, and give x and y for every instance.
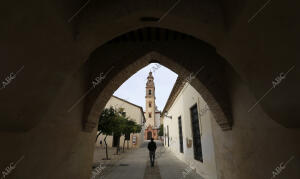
(178, 86)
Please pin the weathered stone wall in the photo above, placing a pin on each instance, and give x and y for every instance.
(56, 147)
(37, 35)
(256, 145)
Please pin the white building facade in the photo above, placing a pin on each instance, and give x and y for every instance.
(135, 113)
(192, 144)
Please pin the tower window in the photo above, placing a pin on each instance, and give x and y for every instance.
(149, 92)
(150, 115)
(150, 104)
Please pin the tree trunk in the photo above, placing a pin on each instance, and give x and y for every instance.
(97, 136)
(106, 147)
(118, 145)
(123, 144)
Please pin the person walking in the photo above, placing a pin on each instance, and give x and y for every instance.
(152, 149)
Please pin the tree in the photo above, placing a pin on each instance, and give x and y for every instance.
(106, 124)
(161, 130)
(120, 123)
(131, 127)
(127, 131)
(114, 122)
(137, 128)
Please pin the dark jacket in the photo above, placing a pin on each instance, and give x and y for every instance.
(152, 146)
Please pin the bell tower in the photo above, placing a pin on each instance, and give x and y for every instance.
(150, 101)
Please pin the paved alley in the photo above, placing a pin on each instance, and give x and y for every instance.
(136, 165)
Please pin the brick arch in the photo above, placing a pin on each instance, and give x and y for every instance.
(177, 56)
(222, 25)
(207, 16)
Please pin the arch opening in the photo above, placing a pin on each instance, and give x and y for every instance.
(176, 53)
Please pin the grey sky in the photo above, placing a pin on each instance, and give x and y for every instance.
(133, 90)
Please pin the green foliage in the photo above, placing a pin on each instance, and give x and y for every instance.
(114, 122)
(161, 130)
(107, 121)
(106, 124)
(119, 124)
(138, 128)
(131, 127)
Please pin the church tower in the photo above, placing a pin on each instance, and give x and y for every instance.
(150, 108)
(150, 101)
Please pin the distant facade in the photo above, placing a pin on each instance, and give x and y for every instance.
(152, 115)
(188, 130)
(135, 113)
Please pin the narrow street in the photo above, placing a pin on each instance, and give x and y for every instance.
(136, 165)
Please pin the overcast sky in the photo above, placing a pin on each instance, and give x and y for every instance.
(134, 89)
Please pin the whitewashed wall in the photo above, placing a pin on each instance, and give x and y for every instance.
(181, 107)
(157, 120)
(134, 113)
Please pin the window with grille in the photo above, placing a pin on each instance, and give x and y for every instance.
(196, 134)
(180, 134)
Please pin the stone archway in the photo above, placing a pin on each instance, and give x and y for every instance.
(51, 49)
(219, 23)
(177, 56)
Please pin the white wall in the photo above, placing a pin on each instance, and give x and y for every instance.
(134, 113)
(109, 141)
(157, 120)
(181, 107)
